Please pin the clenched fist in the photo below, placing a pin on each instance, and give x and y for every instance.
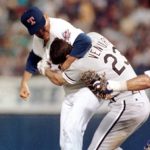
(24, 91)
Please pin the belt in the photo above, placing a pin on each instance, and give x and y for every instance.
(124, 94)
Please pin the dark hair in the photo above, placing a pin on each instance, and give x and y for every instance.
(59, 50)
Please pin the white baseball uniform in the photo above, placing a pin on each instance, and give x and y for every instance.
(77, 109)
(128, 110)
(59, 28)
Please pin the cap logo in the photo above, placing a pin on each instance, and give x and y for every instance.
(31, 21)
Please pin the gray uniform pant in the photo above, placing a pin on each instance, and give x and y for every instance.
(125, 116)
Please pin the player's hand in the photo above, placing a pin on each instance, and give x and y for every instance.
(102, 86)
(43, 65)
(24, 91)
(97, 84)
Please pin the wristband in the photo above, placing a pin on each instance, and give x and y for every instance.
(117, 85)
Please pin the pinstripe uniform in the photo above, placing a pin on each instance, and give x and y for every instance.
(128, 110)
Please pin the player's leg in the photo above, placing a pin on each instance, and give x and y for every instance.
(102, 139)
(65, 111)
(123, 119)
(84, 106)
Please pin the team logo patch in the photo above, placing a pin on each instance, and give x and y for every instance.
(66, 35)
(31, 21)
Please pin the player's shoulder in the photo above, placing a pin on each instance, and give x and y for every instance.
(95, 35)
(85, 62)
(57, 20)
(99, 37)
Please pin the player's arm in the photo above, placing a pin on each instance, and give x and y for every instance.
(24, 89)
(80, 46)
(55, 76)
(103, 86)
(140, 82)
(31, 68)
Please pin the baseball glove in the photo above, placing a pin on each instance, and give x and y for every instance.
(96, 83)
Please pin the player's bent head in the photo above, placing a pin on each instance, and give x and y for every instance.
(33, 19)
(59, 50)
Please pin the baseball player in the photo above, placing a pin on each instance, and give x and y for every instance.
(45, 29)
(128, 110)
(75, 114)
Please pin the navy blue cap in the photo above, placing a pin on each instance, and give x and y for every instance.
(33, 19)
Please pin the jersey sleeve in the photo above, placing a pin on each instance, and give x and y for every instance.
(67, 76)
(81, 45)
(72, 74)
(31, 64)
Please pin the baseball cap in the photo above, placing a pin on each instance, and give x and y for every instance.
(33, 19)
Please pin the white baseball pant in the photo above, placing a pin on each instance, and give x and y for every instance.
(126, 115)
(77, 110)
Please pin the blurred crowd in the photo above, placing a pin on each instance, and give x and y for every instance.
(126, 23)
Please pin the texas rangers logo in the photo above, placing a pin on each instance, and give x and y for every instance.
(31, 21)
(66, 35)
